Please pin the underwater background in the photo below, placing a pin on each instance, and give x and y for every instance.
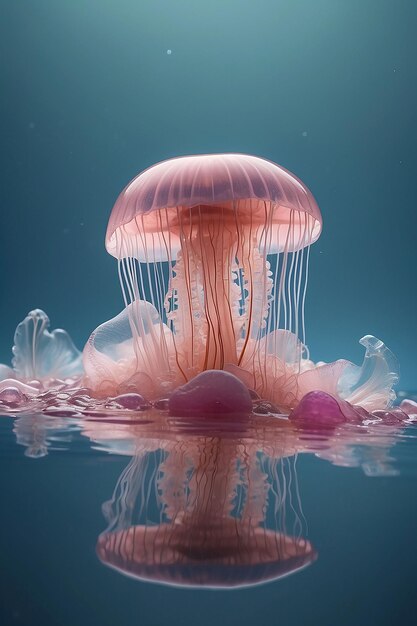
(94, 92)
(328, 89)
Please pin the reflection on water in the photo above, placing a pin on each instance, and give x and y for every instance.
(213, 504)
(206, 511)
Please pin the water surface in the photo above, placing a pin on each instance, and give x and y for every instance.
(350, 493)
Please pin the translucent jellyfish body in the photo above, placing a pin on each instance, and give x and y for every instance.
(213, 262)
(213, 255)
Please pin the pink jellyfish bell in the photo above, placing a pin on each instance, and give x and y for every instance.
(196, 238)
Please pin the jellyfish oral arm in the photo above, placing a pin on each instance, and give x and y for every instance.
(221, 288)
(206, 298)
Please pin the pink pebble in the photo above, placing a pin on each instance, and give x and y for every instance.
(11, 395)
(213, 393)
(319, 409)
(409, 407)
(131, 401)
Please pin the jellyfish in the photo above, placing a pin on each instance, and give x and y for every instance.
(195, 238)
(213, 262)
(213, 254)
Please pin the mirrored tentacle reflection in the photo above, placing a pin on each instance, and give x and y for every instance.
(206, 511)
(210, 503)
(40, 434)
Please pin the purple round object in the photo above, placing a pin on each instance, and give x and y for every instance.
(11, 395)
(131, 401)
(318, 408)
(213, 393)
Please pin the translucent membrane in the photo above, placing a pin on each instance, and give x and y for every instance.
(217, 301)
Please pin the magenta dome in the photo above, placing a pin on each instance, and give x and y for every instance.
(260, 191)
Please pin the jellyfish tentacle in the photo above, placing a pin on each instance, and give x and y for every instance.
(205, 301)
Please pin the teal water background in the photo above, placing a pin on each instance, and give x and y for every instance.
(328, 89)
(94, 92)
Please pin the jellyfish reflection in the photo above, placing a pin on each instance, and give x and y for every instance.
(206, 511)
(205, 502)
